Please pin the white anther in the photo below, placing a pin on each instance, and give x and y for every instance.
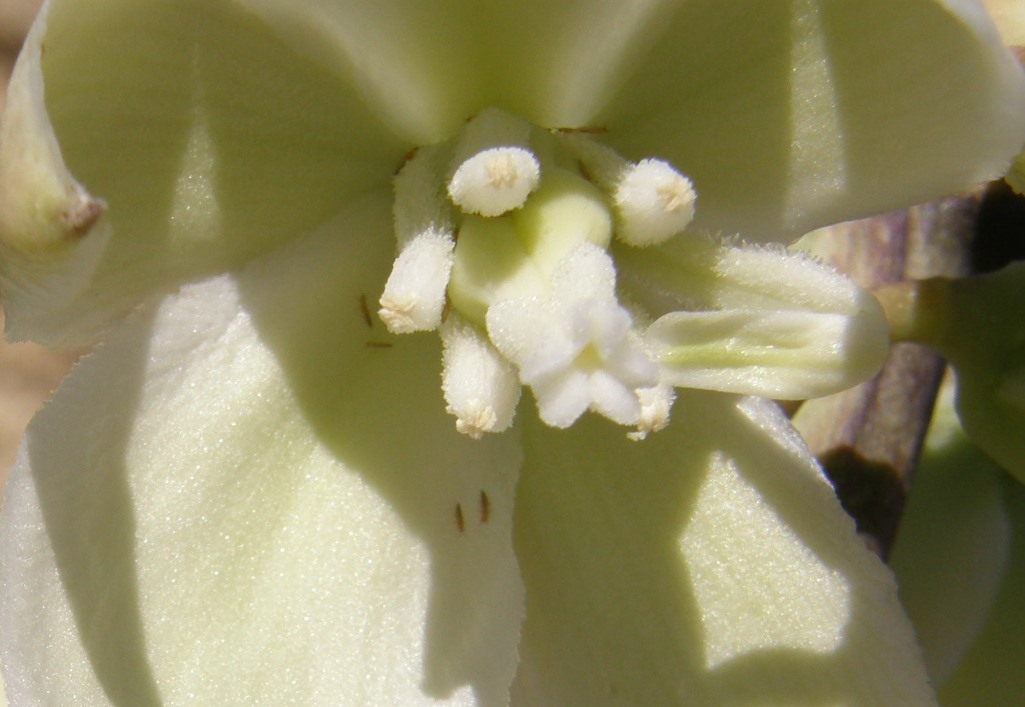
(481, 388)
(414, 296)
(654, 202)
(495, 181)
(655, 403)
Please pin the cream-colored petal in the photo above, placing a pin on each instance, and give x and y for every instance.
(51, 228)
(1009, 17)
(786, 355)
(201, 518)
(692, 272)
(709, 564)
(990, 672)
(208, 139)
(426, 68)
(753, 320)
(955, 547)
(791, 115)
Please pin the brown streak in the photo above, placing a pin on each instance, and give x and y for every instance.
(585, 130)
(365, 311)
(405, 158)
(80, 218)
(485, 507)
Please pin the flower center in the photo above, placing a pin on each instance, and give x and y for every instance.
(504, 237)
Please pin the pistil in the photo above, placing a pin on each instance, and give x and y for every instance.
(516, 246)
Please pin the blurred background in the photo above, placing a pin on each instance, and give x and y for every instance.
(28, 373)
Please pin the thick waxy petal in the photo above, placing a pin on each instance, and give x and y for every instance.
(50, 227)
(201, 518)
(785, 115)
(788, 115)
(960, 563)
(208, 139)
(954, 545)
(427, 67)
(708, 565)
(990, 672)
(1009, 16)
(754, 320)
(787, 355)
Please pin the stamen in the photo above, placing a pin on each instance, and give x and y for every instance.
(414, 296)
(493, 170)
(480, 387)
(654, 203)
(420, 205)
(526, 295)
(495, 181)
(655, 403)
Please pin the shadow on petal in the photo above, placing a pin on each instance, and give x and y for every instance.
(93, 535)
(613, 609)
(375, 401)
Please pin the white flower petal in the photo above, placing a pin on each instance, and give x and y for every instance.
(209, 141)
(235, 501)
(792, 115)
(399, 53)
(960, 564)
(51, 233)
(955, 544)
(787, 355)
(427, 68)
(698, 273)
(710, 564)
(1009, 16)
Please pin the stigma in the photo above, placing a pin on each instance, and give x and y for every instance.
(504, 236)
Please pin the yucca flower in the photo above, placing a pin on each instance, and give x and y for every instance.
(272, 483)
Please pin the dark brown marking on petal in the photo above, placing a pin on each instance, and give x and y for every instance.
(365, 311)
(460, 521)
(405, 158)
(485, 507)
(585, 130)
(81, 217)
